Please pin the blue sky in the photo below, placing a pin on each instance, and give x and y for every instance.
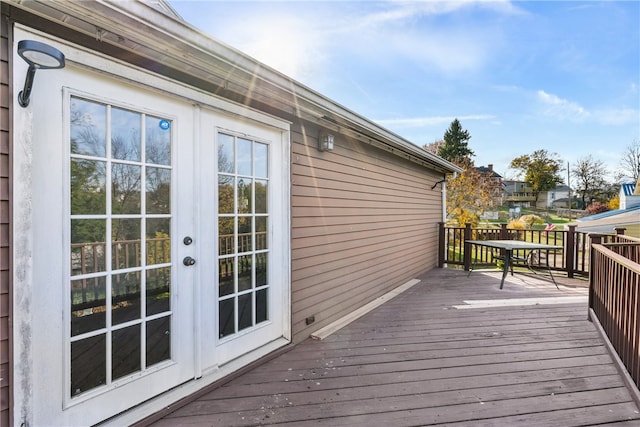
(520, 76)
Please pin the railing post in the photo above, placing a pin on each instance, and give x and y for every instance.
(570, 251)
(441, 244)
(504, 233)
(467, 247)
(594, 239)
(620, 230)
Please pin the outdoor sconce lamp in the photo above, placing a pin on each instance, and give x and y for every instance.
(38, 56)
(325, 141)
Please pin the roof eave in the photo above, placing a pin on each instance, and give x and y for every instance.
(143, 30)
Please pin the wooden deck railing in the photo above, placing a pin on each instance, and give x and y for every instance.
(573, 259)
(614, 296)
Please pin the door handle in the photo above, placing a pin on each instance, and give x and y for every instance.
(188, 261)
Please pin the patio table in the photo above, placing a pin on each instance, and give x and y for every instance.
(513, 245)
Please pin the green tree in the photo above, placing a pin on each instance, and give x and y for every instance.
(589, 174)
(456, 144)
(541, 170)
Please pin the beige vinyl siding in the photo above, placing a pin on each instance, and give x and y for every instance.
(5, 251)
(364, 221)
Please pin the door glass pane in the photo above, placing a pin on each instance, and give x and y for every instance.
(244, 157)
(226, 317)
(261, 306)
(261, 232)
(261, 268)
(88, 128)
(158, 284)
(245, 199)
(125, 235)
(244, 272)
(88, 187)
(125, 345)
(88, 305)
(245, 311)
(157, 140)
(125, 297)
(120, 245)
(125, 188)
(125, 134)
(225, 194)
(88, 364)
(158, 191)
(158, 340)
(260, 163)
(245, 237)
(158, 241)
(261, 196)
(243, 245)
(226, 276)
(88, 250)
(226, 157)
(227, 238)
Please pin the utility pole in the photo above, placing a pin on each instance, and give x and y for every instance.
(569, 185)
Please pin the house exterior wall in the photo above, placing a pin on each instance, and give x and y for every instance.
(5, 226)
(363, 222)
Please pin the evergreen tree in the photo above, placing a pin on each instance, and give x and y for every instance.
(456, 144)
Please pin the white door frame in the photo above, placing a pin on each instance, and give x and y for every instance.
(31, 339)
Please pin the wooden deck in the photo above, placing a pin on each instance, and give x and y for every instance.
(419, 360)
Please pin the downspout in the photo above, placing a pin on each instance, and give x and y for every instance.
(444, 202)
(444, 196)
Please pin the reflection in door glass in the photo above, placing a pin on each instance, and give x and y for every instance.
(243, 246)
(120, 244)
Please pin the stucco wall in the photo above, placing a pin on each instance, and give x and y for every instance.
(364, 221)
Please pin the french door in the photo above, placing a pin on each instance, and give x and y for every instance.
(159, 244)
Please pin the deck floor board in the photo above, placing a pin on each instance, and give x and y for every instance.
(418, 360)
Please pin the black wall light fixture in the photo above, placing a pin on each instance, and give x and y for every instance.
(39, 56)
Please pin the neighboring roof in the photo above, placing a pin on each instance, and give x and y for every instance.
(602, 223)
(485, 169)
(634, 211)
(628, 189)
(147, 35)
(562, 188)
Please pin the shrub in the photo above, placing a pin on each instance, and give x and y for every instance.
(596, 208)
(531, 219)
(516, 224)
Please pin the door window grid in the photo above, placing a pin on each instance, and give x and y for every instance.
(243, 248)
(120, 243)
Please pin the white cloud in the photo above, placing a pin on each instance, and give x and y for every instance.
(561, 109)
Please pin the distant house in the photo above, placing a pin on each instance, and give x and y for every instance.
(629, 195)
(555, 198)
(518, 193)
(174, 210)
(496, 179)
